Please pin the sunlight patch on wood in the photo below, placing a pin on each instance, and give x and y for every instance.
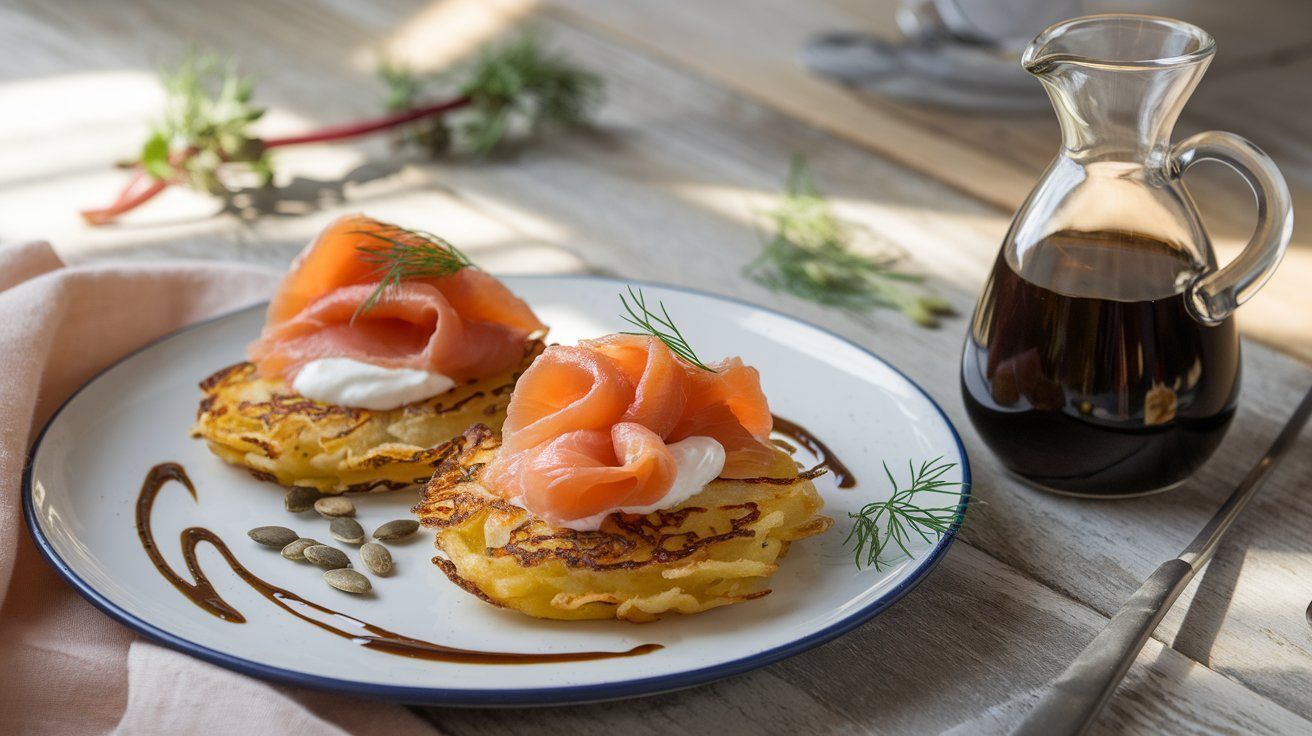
(448, 31)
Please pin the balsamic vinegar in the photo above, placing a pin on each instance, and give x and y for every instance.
(1086, 373)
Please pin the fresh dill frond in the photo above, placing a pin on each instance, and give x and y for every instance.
(206, 124)
(404, 90)
(522, 80)
(406, 254)
(516, 84)
(892, 522)
(403, 85)
(660, 326)
(809, 255)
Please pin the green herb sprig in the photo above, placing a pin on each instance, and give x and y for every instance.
(660, 326)
(517, 84)
(404, 92)
(207, 115)
(406, 254)
(809, 255)
(207, 126)
(881, 523)
(520, 79)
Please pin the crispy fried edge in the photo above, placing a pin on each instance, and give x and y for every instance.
(288, 404)
(461, 467)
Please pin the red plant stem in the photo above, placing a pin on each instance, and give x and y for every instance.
(123, 195)
(124, 204)
(351, 130)
(127, 201)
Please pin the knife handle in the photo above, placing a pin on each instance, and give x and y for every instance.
(1072, 701)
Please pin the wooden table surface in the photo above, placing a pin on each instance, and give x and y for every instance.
(706, 104)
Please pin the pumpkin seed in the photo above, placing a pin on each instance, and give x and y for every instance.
(273, 536)
(394, 530)
(331, 506)
(296, 550)
(376, 557)
(300, 499)
(329, 558)
(346, 530)
(348, 581)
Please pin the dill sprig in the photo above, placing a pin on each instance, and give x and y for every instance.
(517, 84)
(660, 326)
(881, 523)
(520, 79)
(406, 254)
(404, 91)
(809, 255)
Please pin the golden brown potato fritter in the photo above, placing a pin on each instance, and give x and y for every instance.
(717, 548)
(265, 426)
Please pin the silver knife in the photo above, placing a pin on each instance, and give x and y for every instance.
(1075, 698)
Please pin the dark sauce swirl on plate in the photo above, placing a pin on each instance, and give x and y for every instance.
(825, 457)
(202, 593)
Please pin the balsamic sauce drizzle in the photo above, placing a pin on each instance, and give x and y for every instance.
(827, 459)
(202, 593)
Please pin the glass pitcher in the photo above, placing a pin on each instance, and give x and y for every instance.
(1103, 358)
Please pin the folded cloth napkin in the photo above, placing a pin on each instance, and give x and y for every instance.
(65, 668)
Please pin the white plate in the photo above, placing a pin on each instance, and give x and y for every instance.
(88, 465)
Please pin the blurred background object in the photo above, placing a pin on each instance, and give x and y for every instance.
(956, 53)
(965, 54)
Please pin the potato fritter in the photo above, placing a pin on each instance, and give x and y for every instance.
(717, 548)
(281, 436)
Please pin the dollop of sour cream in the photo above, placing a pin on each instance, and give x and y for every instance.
(348, 382)
(698, 461)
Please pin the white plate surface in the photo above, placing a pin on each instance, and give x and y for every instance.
(88, 466)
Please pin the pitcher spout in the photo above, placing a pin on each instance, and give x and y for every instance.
(1118, 82)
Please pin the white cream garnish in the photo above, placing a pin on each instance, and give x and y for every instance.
(348, 382)
(698, 461)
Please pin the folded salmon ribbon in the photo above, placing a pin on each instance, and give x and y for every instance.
(589, 428)
(464, 325)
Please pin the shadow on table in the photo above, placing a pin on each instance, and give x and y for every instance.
(1206, 612)
(304, 195)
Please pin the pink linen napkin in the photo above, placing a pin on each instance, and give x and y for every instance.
(65, 668)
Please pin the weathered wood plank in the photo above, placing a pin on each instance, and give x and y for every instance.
(669, 191)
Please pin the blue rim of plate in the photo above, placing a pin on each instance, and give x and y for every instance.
(522, 697)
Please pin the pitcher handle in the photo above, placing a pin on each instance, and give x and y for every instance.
(1214, 295)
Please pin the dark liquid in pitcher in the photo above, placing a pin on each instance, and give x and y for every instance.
(1101, 396)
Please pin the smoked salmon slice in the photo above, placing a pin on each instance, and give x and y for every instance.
(591, 471)
(574, 388)
(660, 381)
(588, 428)
(729, 407)
(464, 325)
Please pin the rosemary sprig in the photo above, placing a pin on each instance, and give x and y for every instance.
(660, 326)
(406, 254)
(881, 523)
(809, 255)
